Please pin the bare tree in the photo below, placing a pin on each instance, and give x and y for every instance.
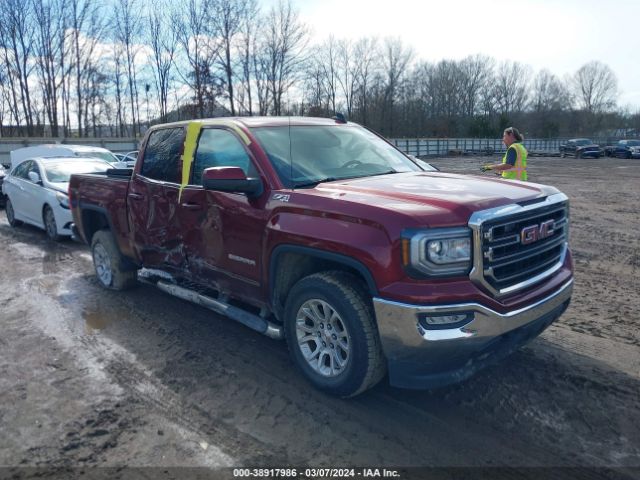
(549, 93)
(197, 40)
(84, 16)
(511, 87)
(17, 43)
(163, 41)
(476, 70)
(285, 38)
(596, 87)
(127, 25)
(366, 64)
(50, 53)
(396, 58)
(246, 54)
(228, 17)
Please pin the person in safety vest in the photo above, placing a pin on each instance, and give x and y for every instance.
(514, 162)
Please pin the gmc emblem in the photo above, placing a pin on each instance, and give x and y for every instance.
(533, 233)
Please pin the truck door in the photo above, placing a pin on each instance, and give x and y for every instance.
(223, 232)
(152, 200)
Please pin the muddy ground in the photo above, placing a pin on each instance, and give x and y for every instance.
(90, 377)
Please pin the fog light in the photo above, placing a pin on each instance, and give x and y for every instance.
(435, 321)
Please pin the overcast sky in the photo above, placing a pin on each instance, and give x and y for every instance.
(559, 35)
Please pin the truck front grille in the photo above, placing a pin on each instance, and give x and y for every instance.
(518, 246)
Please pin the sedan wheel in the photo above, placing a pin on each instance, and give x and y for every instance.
(50, 225)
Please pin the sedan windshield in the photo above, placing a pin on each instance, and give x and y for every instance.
(307, 155)
(62, 171)
(106, 156)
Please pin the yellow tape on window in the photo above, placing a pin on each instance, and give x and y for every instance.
(190, 142)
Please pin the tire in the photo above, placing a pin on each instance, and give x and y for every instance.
(50, 226)
(346, 359)
(11, 216)
(579, 155)
(108, 263)
(627, 155)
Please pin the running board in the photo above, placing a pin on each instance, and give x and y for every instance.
(250, 320)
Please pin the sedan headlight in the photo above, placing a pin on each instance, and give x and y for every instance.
(437, 252)
(63, 200)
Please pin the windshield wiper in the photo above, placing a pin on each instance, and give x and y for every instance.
(388, 172)
(313, 183)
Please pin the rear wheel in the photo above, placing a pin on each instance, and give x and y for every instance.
(11, 215)
(108, 263)
(331, 333)
(50, 225)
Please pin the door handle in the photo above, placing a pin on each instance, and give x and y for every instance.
(191, 206)
(135, 196)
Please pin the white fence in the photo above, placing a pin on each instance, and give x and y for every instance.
(437, 147)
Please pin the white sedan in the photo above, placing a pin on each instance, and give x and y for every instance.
(36, 192)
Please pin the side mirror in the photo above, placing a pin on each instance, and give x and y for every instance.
(232, 180)
(35, 178)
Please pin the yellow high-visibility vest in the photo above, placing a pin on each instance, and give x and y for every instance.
(519, 170)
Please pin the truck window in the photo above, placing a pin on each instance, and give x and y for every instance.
(162, 155)
(220, 148)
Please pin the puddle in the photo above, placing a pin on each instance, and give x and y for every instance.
(95, 321)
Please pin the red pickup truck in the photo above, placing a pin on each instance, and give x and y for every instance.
(321, 232)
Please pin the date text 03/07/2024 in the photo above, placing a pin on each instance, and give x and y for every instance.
(315, 473)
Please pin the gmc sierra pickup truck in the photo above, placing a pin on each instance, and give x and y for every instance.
(321, 232)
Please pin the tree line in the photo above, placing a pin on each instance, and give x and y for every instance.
(90, 68)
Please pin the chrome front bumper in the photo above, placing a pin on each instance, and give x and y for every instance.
(422, 357)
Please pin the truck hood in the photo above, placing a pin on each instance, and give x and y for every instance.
(430, 197)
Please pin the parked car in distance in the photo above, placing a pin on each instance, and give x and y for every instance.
(36, 192)
(69, 151)
(626, 149)
(580, 148)
(128, 158)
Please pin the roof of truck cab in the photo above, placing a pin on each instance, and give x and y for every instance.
(251, 122)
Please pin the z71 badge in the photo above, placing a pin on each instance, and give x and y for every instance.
(281, 197)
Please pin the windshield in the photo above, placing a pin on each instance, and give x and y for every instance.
(634, 143)
(327, 153)
(106, 156)
(61, 172)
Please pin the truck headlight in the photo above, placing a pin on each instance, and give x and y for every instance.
(63, 200)
(437, 252)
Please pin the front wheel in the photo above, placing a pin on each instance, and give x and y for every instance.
(331, 333)
(108, 263)
(50, 225)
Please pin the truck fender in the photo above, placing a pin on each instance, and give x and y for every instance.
(319, 254)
